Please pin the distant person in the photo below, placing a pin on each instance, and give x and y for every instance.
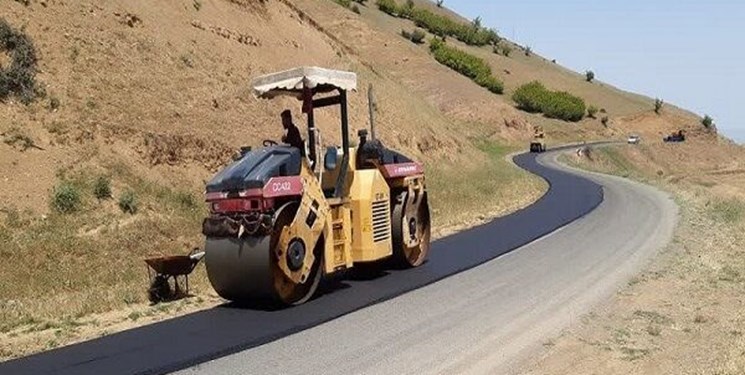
(292, 137)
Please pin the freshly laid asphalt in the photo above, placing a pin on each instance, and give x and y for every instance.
(203, 336)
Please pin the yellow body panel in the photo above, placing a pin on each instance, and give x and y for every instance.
(369, 198)
(361, 221)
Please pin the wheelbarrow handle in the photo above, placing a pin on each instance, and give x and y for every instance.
(196, 257)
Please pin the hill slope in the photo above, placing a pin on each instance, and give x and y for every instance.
(154, 97)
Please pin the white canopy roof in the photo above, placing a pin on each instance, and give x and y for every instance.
(293, 81)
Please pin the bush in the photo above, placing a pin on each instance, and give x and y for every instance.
(472, 34)
(18, 79)
(417, 36)
(604, 121)
(102, 188)
(66, 198)
(355, 9)
(534, 97)
(592, 111)
(388, 6)
(530, 97)
(54, 103)
(564, 106)
(589, 75)
(506, 50)
(439, 3)
(469, 65)
(128, 202)
(707, 122)
(658, 103)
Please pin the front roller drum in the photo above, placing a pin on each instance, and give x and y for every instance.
(247, 269)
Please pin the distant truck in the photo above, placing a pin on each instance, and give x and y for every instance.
(678, 136)
(633, 139)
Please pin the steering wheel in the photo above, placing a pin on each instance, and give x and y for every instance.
(269, 143)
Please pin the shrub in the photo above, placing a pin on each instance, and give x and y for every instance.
(19, 78)
(128, 202)
(355, 9)
(102, 188)
(564, 106)
(592, 111)
(344, 3)
(472, 34)
(528, 51)
(604, 121)
(469, 65)
(530, 97)
(506, 50)
(707, 122)
(66, 198)
(589, 75)
(439, 3)
(417, 36)
(534, 97)
(388, 6)
(54, 103)
(658, 103)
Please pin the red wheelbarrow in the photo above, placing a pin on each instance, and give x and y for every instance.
(161, 270)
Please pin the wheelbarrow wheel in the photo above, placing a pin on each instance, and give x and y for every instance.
(160, 290)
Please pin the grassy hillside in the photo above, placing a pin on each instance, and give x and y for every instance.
(152, 98)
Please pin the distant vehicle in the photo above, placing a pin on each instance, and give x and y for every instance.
(633, 139)
(678, 136)
(538, 144)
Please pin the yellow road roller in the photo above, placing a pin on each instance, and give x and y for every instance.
(284, 216)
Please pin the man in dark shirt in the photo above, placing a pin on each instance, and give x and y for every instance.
(292, 137)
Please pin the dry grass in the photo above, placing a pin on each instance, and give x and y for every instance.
(66, 266)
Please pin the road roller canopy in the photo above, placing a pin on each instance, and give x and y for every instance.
(294, 82)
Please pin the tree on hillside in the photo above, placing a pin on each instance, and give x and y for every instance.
(528, 51)
(658, 103)
(708, 122)
(439, 3)
(589, 75)
(477, 22)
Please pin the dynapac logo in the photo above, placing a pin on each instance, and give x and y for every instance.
(406, 169)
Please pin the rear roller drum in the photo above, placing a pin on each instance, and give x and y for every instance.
(411, 234)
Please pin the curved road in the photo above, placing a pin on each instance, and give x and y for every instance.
(484, 320)
(487, 319)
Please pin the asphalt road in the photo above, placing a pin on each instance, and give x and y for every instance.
(489, 319)
(180, 343)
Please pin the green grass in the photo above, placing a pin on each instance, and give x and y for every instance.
(730, 211)
(458, 194)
